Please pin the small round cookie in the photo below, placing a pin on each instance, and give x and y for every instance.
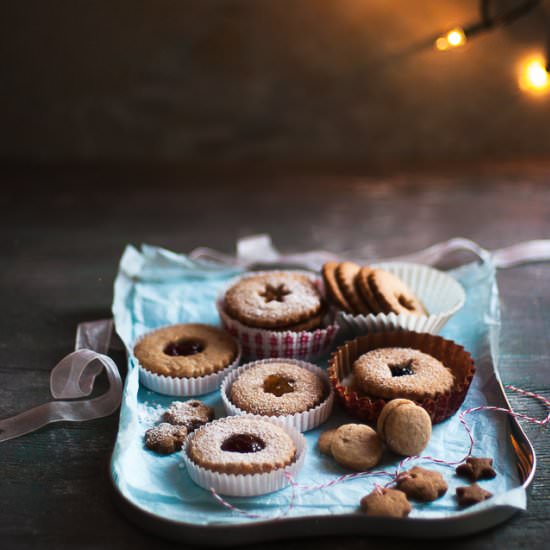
(325, 442)
(393, 295)
(186, 350)
(402, 372)
(356, 446)
(273, 300)
(241, 445)
(191, 414)
(165, 438)
(333, 289)
(405, 427)
(277, 389)
(345, 276)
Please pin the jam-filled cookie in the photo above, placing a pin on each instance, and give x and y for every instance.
(401, 372)
(276, 389)
(277, 300)
(186, 350)
(241, 445)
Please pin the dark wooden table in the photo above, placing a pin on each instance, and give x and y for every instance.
(62, 233)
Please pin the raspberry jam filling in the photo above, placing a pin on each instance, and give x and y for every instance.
(184, 347)
(403, 369)
(243, 443)
(278, 385)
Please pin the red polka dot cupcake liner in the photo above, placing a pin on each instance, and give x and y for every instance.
(367, 407)
(259, 343)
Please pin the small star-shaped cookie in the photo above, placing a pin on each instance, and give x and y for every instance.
(476, 468)
(471, 495)
(386, 502)
(421, 484)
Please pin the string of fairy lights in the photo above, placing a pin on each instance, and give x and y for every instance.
(534, 69)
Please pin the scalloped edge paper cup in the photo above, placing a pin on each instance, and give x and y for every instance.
(441, 295)
(366, 407)
(247, 485)
(184, 386)
(258, 343)
(303, 421)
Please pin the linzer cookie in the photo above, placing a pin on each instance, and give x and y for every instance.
(401, 372)
(296, 392)
(278, 314)
(185, 359)
(276, 300)
(276, 389)
(371, 370)
(244, 455)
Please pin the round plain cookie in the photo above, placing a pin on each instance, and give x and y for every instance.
(186, 350)
(345, 276)
(325, 441)
(356, 446)
(241, 445)
(273, 300)
(191, 414)
(276, 389)
(393, 295)
(405, 427)
(333, 289)
(401, 372)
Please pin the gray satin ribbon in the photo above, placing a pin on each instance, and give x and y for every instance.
(74, 376)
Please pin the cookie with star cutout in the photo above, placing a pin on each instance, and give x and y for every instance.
(275, 300)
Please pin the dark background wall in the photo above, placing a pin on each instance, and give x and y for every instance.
(290, 82)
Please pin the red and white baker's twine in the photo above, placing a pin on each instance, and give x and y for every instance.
(397, 474)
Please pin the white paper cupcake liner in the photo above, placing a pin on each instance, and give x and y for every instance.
(183, 387)
(247, 485)
(302, 421)
(441, 295)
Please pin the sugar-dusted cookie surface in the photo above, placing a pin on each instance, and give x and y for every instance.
(273, 300)
(186, 350)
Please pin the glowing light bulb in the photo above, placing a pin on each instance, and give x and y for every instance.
(533, 76)
(452, 39)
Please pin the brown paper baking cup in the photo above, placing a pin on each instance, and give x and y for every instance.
(302, 421)
(367, 407)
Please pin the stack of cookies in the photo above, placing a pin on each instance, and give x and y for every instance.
(364, 290)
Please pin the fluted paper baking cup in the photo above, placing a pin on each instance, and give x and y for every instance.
(184, 386)
(303, 421)
(367, 407)
(441, 295)
(247, 485)
(257, 343)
